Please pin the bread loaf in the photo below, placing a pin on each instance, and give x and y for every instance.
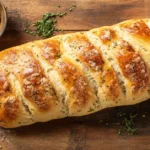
(75, 74)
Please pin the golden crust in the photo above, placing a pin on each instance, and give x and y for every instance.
(50, 50)
(74, 81)
(85, 51)
(134, 68)
(77, 86)
(100, 71)
(8, 104)
(111, 84)
(75, 74)
(138, 28)
(107, 34)
(71, 76)
(4, 85)
(35, 85)
(10, 109)
(130, 62)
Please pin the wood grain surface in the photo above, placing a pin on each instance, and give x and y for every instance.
(78, 133)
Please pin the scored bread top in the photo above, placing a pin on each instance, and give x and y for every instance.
(75, 74)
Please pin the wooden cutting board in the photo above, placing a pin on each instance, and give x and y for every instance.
(79, 133)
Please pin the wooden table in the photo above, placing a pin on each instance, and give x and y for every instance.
(83, 133)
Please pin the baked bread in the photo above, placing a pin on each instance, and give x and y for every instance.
(75, 74)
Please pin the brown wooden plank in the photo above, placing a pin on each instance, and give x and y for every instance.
(88, 14)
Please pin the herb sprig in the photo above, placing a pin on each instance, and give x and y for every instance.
(46, 27)
(128, 123)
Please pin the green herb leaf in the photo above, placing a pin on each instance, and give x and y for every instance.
(72, 7)
(119, 131)
(46, 27)
(128, 122)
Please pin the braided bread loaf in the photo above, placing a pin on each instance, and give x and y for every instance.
(75, 74)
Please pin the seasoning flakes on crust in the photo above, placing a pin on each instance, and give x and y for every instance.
(75, 74)
(35, 85)
(75, 83)
(50, 50)
(102, 73)
(86, 52)
(130, 62)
